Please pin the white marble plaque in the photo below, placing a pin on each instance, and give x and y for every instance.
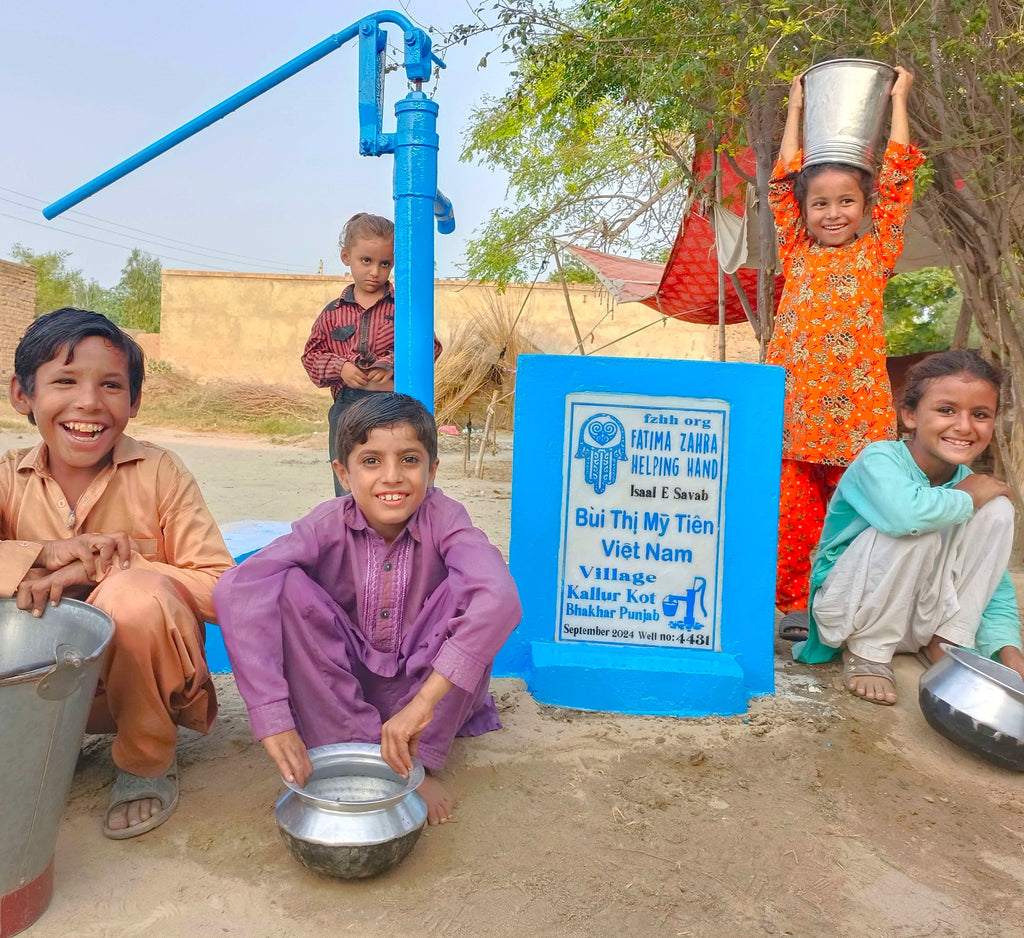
(642, 520)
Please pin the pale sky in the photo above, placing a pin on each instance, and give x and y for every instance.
(267, 188)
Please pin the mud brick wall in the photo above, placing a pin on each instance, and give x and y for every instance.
(17, 310)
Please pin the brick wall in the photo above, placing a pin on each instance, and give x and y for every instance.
(17, 310)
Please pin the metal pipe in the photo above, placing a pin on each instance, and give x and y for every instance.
(415, 189)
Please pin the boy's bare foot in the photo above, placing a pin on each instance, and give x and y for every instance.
(870, 680)
(932, 651)
(439, 802)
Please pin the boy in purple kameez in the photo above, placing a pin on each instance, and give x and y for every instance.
(378, 617)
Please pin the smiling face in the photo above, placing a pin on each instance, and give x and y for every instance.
(81, 408)
(834, 207)
(952, 424)
(388, 476)
(371, 261)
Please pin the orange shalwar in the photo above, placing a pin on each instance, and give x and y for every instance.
(829, 337)
(155, 678)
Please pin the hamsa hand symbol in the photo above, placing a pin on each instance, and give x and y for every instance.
(602, 444)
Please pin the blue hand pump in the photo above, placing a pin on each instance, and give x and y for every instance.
(417, 198)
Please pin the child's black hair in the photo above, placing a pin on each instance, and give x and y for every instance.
(48, 334)
(802, 181)
(942, 365)
(385, 409)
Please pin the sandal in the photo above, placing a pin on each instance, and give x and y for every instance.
(795, 626)
(128, 788)
(854, 666)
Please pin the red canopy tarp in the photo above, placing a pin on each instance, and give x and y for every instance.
(689, 285)
(686, 287)
(628, 280)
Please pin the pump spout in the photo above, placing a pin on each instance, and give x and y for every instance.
(444, 213)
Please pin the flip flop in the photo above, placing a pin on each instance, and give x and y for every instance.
(854, 666)
(795, 626)
(128, 788)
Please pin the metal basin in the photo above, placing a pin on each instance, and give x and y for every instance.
(355, 817)
(978, 704)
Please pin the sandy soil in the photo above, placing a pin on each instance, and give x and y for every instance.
(814, 814)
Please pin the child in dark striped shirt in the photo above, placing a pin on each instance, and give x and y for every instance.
(351, 348)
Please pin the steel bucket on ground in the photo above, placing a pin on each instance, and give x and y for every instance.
(846, 102)
(48, 672)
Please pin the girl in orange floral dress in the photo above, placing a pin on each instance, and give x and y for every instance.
(828, 331)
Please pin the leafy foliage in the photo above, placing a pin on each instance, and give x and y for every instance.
(139, 292)
(578, 176)
(59, 285)
(619, 83)
(573, 271)
(133, 303)
(921, 310)
(606, 82)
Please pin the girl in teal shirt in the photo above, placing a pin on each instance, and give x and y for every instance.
(915, 546)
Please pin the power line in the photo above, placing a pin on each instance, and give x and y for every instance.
(224, 260)
(124, 247)
(216, 253)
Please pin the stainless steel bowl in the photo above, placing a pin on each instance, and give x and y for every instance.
(355, 817)
(976, 703)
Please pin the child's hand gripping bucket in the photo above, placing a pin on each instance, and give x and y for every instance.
(846, 102)
(48, 672)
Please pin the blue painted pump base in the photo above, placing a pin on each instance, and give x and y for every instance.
(644, 520)
(655, 683)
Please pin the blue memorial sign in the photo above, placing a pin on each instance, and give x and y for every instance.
(642, 520)
(644, 523)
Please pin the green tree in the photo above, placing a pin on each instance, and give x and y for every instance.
(659, 72)
(59, 285)
(645, 76)
(921, 311)
(573, 271)
(138, 292)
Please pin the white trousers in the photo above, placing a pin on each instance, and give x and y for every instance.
(893, 594)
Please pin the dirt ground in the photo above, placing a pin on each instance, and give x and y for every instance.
(814, 814)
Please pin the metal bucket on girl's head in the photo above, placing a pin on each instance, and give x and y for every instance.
(48, 672)
(846, 102)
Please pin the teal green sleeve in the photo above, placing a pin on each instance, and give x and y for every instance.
(878, 488)
(1000, 622)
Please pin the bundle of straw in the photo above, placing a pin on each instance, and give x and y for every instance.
(479, 358)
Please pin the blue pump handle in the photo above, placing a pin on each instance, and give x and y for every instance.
(419, 59)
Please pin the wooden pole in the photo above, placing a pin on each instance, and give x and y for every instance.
(716, 168)
(491, 408)
(568, 302)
